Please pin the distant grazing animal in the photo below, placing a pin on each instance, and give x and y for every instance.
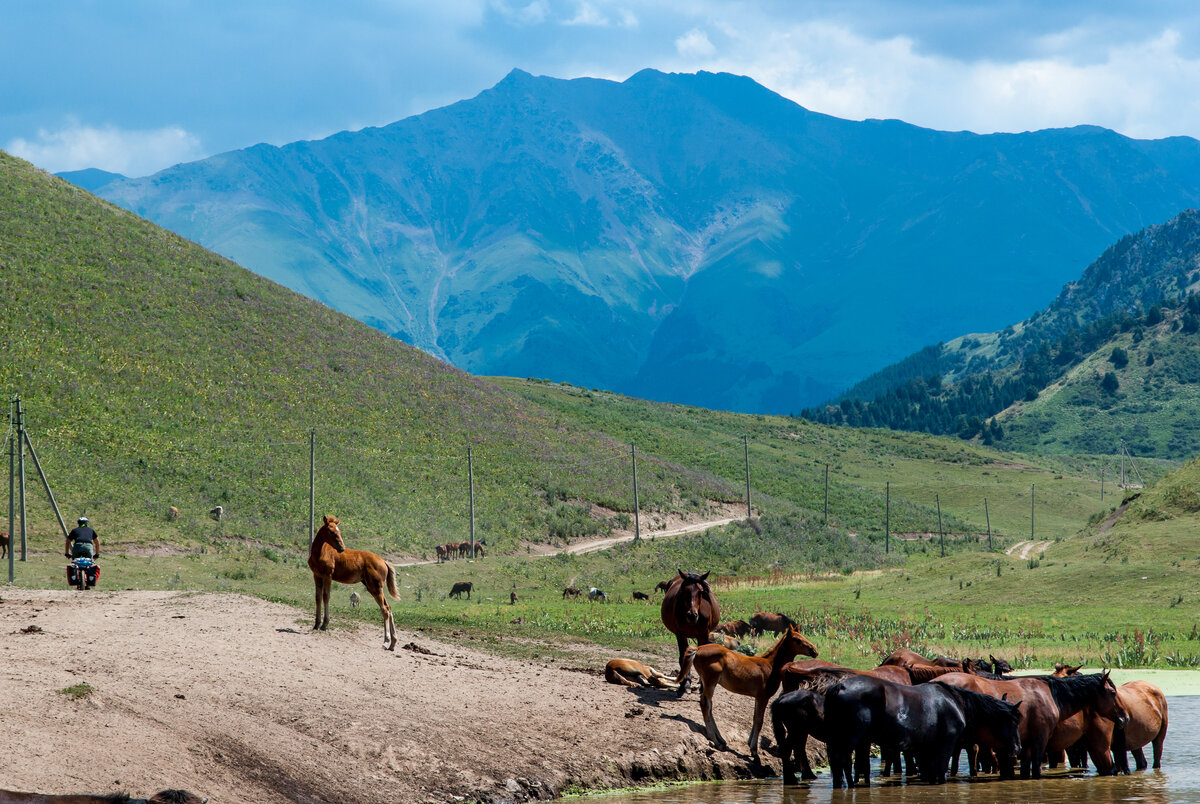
(640, 595)
(330, 561)
(762, 622)
(662, 586)
(217, 513)
(460, 587)
(478, 550)
(689, 610)
(3, 545)
(571, 591)
(464, 549)
(596, 594)
(629, 673)
(451, 549)
(735, 628)
(354, 598)
(161, 797)
(172, 514)
(512, 598)
(755, 676)
(441, 552)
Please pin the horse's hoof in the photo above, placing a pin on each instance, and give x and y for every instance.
(324, 626)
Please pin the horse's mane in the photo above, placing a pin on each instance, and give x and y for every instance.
(822, 678)
(978, 705)
(920, 674)
(1074, 692)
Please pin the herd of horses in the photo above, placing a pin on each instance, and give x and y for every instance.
(920, 712)
(453, 550)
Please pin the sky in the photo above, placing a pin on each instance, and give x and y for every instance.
(134, 86)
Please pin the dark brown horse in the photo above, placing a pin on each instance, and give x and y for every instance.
(460, 587)
(662, 586)
(571, 591)
(903, 657)
(3, 545)
(762, 622)
(330, 561)
(689, 611)
(734, 628)
(755, 676)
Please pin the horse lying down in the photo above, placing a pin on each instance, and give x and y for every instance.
(161, 797)
(629, 673)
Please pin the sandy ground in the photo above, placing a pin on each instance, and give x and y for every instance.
(236, 699)
(1027, 549)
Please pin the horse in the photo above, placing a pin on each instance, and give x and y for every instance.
(330, 561)
(512, 598)
(662, 586)
(735, 628)
(354, 599)
(478, 550)
(1045, 702)
(929, 720)
(755, 676)
(441, 552)
(689, 609)
(571, 591)
(762, 622)
(629, 673)
(460, 587)
(1147, 709)
(464, 549)
(794, 716)
(640, 595)
(999, 666)
(723, 639)
(161, 797)
(1063, 670)
(595, 594)
(4, 545)
(903, 657)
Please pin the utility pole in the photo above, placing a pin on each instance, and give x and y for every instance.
(1032, 489)
(826, 494)
(12, 487)
(941, 533)
(21, 479)
(746, 452)
(312, 485)
(637, 523)
(1101, 482)
(989, 522)
(887, 519)
(471, 495)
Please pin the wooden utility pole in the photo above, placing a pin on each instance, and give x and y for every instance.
(471, 495)
(746, 453)
(12, 488)
(1032, 490)
(989, 522)
(887, 519)
(21, 479)
(826, 494)
(941, 533)
(637, 522)
(312, 485)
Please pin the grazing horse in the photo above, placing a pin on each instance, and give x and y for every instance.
(571, 591)
(629, 673)
(762, 622)
(330, 561)
(464, 549)
(640, 595)
(1045, 702)
(929, 720)
(460, 587)
(662, 586)
(689, 609)
(161, 797)
(595, 594)
(441, 552)
(755, 676)
(736, 628)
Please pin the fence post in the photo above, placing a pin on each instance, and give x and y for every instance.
(941, 532)
(312, 485)
(989, 523)
(637, 522)
(21, 478)
(887, 520)
(746, 452)
(471, 495)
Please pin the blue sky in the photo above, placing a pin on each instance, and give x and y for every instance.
(137, 85)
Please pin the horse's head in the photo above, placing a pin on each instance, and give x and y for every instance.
(1107, 704)
(1063, 670)
(1000, 666)
(693, 593)
(975, 666)
(332, 534)
(797, 644)
(1006, 729)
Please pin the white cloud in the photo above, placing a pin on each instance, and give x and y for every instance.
(532, 13)
(133, 153)
(586, 14)
(695, 44)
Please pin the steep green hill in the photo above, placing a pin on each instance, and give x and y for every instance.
(158, 374)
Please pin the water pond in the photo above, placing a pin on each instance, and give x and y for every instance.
(1177, 781)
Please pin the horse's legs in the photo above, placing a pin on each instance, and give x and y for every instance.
(1157, 745)
(710, 723)
(1140, 757)
(862, 763)
(326, 589)
(684, 680)
(760, 708)
(375, 587)
(317, 582)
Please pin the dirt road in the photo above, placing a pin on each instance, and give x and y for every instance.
(236, 699)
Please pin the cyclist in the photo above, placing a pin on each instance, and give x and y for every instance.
(83, 542)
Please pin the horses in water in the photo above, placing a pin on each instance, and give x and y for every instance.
(330, 561)
(689, 610)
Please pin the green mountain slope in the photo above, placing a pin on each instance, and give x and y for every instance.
(158, 374)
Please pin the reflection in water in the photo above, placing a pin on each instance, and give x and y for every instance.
(1178, 781)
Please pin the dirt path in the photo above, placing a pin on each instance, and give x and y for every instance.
(236, 699)
(1112, 518)
(1027, 549)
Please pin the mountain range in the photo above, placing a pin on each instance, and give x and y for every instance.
(687, 237)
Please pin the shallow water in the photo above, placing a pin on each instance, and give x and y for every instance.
(1177, 781)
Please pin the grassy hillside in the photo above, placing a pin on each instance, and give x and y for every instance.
(157, 374)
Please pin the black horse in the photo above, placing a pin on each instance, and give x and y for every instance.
(794, 717)
(932, 721)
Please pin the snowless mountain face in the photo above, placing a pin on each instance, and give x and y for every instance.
(692, 238)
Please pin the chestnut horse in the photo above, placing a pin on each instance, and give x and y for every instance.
(689, 609)
(630, 673)
(330, 561)
(1147, 709)
(1045, 701)
(161, 797)
(755, 676)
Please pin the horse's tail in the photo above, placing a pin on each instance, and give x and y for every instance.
(391, 581)
(685, 664)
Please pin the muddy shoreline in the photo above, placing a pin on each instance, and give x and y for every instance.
(235, 698)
